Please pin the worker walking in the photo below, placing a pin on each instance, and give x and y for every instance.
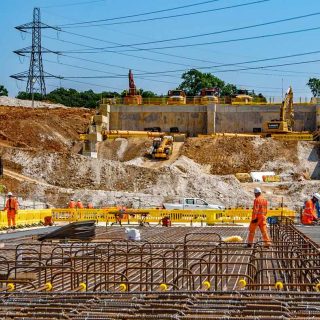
(72, 204)
(318, 209)
(309, 214)
(79, 204)
(259, 219)
(12, 207)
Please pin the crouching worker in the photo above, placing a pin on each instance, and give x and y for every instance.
(12, 207)
(259, 219)
(309, 214)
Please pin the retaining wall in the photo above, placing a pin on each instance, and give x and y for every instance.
(196, 119)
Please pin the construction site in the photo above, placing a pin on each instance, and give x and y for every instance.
(135, 254)
(201, 203)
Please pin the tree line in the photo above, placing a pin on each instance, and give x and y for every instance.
(192, 82)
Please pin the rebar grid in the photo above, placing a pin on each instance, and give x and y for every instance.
(202, 276)
(156, 305)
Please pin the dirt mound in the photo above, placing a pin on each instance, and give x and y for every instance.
(123, 149)
(76, 174)
(46, 129)
(14, 102)
(232, 155)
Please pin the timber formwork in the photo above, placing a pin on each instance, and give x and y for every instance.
(172, 273)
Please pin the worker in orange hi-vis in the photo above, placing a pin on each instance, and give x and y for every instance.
(309, 214)
(79, 204)
(90, 205)
(259, 219)
(12, 207)
(72, 204)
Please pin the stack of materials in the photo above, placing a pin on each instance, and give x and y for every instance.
(84, 230)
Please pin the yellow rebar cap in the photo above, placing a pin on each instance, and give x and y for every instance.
(10, 287)
(278, 285)
(163, 287)
(206, 285)
(242, 283)
(122, 287)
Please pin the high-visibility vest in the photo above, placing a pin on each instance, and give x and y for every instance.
(12, 205)
(72, 204)
(79, 205)
(260, 206)
(310, 209)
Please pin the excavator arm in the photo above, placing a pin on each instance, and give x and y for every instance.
(286, 120)
(287, 111)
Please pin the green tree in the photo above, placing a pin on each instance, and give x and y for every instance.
(228, 90)
(109, 94)
(259, 98)
(28, 96)
(147, 94)
(3, 91)
(194, 80)
(314, 85)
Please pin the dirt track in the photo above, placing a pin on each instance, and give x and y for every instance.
(155, 163)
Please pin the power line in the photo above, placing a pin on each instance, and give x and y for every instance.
(271, 66)
(160, 53)
(176, 56)
(73, 4)
(130, 55)
(211, 42)
(80, 25)
(142, 14)
(228, 70)
(208, 67)
(97, 39)
(251, 61)
(211, 67)
(101, 71)
(215, 32)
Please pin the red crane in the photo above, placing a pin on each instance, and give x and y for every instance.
(132, 97)
(132, 86)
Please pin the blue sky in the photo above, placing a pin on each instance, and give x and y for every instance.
(269, 81)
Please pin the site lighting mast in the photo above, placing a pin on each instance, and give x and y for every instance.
(36, 75)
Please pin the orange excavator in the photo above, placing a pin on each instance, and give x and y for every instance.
(132, 97)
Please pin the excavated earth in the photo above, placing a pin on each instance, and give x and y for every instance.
(40, 150)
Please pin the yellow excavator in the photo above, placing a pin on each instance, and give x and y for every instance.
(162, 147)
(286, 121)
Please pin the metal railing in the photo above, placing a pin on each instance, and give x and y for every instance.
(145, 216)
(140, 216)
(197, 100)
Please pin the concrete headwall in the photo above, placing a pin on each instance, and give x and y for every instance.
(191, 119)
(200, 119)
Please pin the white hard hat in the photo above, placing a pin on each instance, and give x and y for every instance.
(79, 200)
(9, 194)
(316, 195)
(257, 190)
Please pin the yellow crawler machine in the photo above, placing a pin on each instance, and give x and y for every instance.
(176, 97)
(286, 121)
(162, 147)
(282, 129)
(208, 95)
